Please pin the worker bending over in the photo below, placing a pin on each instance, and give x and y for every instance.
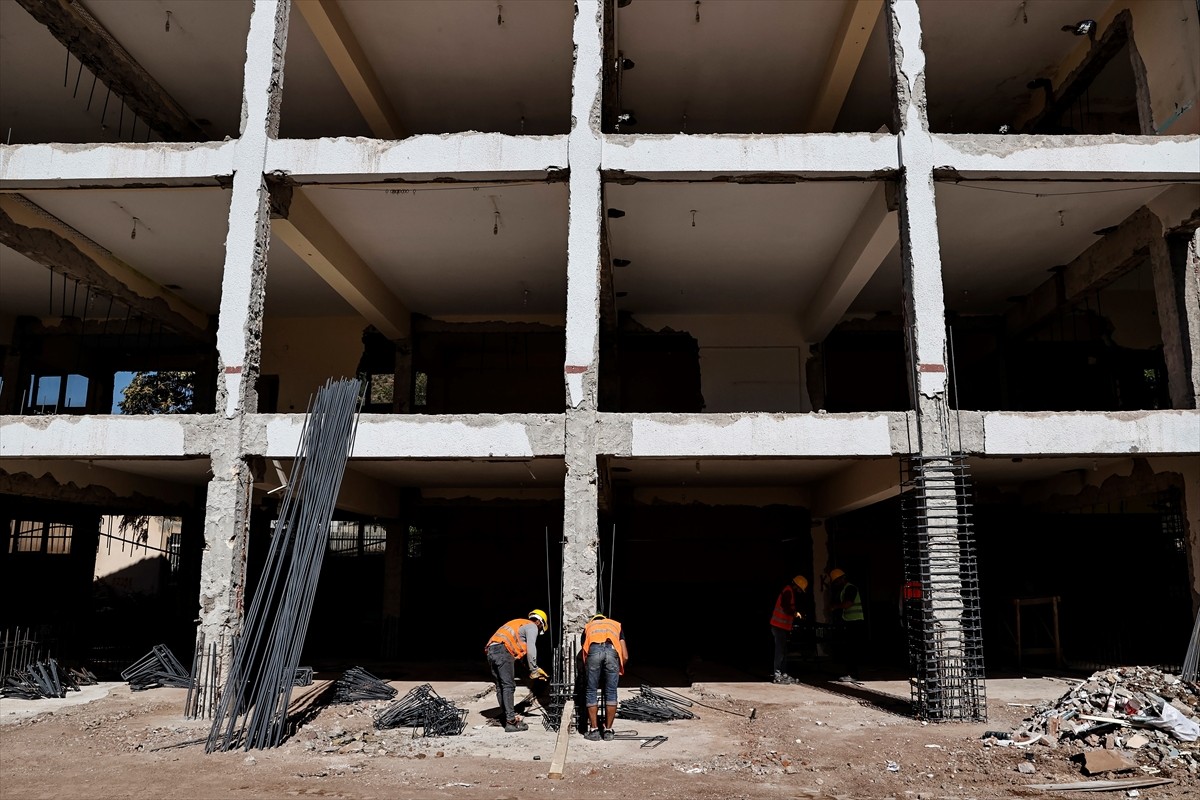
(515, 639)
(604, 653)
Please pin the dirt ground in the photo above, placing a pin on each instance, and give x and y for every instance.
(808, 741)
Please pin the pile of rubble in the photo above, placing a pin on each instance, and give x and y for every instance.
(1121, 719)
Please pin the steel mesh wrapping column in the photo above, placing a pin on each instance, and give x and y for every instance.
(941, 592)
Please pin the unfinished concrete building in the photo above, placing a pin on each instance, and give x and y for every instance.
(660, 303)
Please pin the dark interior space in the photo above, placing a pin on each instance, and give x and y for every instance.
(47, 566)
(491, 368)
(645, 370)
(1118, 568)
(80, 366)
(432, 588)
(696, 583)
(861, 367)
(1101, 352)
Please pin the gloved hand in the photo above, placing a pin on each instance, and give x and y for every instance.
(539, 674)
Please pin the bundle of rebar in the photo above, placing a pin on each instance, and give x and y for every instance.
(425, 709)
(1191, 661)
(942, 610)
(303, 677)
(202, 696)
(651, 706)
(358, 684)
(39, 679)
(562, 687)
(157, 668)
(252, 711)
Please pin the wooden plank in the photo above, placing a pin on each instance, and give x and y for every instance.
(1102, 786)
(560, 747)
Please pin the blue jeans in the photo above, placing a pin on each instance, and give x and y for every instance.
(602, 658)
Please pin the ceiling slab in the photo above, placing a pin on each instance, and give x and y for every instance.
(536, 473)
(724, 472)
(753, 248)
(744, 66)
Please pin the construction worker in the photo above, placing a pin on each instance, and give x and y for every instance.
(848, 609)
(604, 652)
(786, 614)
(515, 639)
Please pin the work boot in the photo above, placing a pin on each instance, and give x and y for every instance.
(515, 726)
(593, 735)
(608, 735)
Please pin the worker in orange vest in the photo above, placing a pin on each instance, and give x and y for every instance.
(514, 640)
(604, 653)
(786, 613)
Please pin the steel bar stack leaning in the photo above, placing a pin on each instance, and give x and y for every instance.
(424, 708)
(157, 668)
(252, 711)
(358, 684)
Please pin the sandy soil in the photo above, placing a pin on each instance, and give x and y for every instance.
(806, 741)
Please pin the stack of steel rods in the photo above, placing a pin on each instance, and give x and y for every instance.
(424, 708)
(304, 676)
(652, 706)
(159, 667)
(358, 684)
(252, 711)
(201, 701)
(18, 652)
(39, 679)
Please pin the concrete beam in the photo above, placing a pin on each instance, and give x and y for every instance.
(359, 493)
(87, 40)
(1114, 157)
(91, 483)
(42, 237)
(29, 166)
(96, 436)
(390, 436)
(1103, 262)
(312, 237)
(462, 156)
(849, 44)
(873, 236)
(743, 156)
(1091, 433)
(345, 54)
(736, 435)
(861, 484)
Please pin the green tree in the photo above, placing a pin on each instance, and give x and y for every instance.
(161, 392)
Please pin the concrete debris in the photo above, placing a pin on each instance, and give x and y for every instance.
(1118, 719)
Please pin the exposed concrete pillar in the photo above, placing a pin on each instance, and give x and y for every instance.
(402, 388)
(239, 332)
(820, 565)
(582, 367)
(926, 339)
(1175, 265)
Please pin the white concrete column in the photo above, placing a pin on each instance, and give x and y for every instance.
(582, 367)
(239, 331)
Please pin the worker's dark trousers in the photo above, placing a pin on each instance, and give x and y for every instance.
(781, 648)
(503, 667)
(854, 646)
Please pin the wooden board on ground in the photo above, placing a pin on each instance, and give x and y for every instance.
(560, 747)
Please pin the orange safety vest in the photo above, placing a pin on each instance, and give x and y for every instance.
(507, 635)
(604, 630)
(779, 617)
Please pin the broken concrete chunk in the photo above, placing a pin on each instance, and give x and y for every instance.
(1136, 741)
(1096, 762)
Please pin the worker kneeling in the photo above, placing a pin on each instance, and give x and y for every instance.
(604, 654)
(515, 639)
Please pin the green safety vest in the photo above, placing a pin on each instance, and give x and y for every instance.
(855, 612)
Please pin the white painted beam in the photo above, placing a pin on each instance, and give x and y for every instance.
(873, 236)
(1152, 158)
(1092, 433)
(391, 436)
(702, 157)
(465, 156)
(736, 435)
(856, 486)
(345, 54)
(104, 436)
(312, 237)
(27, 166)
(849, 44)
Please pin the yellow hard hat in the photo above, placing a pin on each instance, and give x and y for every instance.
(540, 616)
(802, 582)
(834, 574)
